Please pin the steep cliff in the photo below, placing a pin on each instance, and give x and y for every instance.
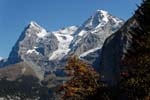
(125, 45)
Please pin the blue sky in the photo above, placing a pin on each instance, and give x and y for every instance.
(52, 15)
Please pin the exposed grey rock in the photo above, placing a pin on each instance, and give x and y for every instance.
(49, 51)
(33, 46)
(93, 58)
(94, 31)
(113, 51)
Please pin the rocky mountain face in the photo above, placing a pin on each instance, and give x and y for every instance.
(125, 59)
(35, 45)
(114, 50)
(47, 51)
(37, 58)
(94, 31)
(90, 36)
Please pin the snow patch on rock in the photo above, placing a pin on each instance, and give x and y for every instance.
(1, 58)
(32, 51)
(88, 52)
(64, 37)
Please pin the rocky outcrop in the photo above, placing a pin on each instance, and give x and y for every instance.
(113, 51)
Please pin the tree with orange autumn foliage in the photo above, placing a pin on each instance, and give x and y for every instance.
(83, 82)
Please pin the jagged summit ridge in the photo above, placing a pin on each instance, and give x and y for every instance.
(33, 23)
(49, 50)
(103, 14)
(35, 29)
(93, 32)
(99, 19)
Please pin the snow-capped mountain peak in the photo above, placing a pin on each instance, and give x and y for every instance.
(98, 21)
(1, 58)
(102, 11)
(90, 36)
(35, 29)
(103, 15)
(96, 28)
(49, 49)
(33, 23)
